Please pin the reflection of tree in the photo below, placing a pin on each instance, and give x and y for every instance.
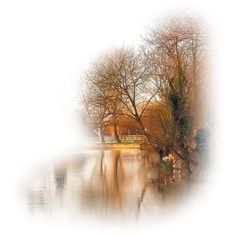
(141, 198)
(161, 179)
(60, 178)
(109, 176)
(107, 190)
(113, 183)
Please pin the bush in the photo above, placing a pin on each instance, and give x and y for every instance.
(201, 139)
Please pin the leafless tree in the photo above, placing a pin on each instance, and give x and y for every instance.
(101, 100)
(129, 77)
(176, 51)
(95, 103)
(157, 82)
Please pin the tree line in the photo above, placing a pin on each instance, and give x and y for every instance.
(159, 85)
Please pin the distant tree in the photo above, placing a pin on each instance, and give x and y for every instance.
(101, 100)
(95, 102)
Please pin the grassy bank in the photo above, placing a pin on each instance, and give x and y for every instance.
(114, 145)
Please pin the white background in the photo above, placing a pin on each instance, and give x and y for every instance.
(44, 48)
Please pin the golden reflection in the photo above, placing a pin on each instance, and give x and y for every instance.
(109, 183)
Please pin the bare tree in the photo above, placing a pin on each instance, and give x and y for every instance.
(95, 101)
(102, 101)
(175, 51)
(129, 77)
(157, 85)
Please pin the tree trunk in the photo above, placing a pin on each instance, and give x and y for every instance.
(100, 135)
(117, 138)
(184, 157)
(144, 131)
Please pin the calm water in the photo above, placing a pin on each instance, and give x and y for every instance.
(107, 183)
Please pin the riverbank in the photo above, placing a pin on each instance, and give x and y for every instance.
(113, 146)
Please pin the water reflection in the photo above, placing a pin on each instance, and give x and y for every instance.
(108, 183)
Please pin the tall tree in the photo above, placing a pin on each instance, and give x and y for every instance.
(175, 51)
(101, 100)
(129, 76)
(95, 101)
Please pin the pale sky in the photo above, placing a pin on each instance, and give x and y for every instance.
(47, 45)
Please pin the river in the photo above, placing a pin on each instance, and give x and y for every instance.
(107, 184)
